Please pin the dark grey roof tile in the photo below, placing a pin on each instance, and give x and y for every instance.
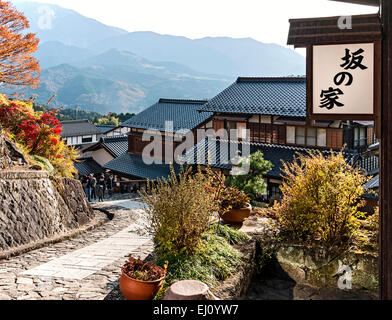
(75, 128)
(222, 154)
(374, 183)
(87, 166)
(105, 128)
(117, 145)
(133, 165)
(269, 96)
(183, 113)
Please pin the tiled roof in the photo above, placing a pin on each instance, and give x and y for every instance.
(105, 129)
(374, 183)
(269, 96)
(75, 128)
(116, 145)
(87, 166)
(133, 165)
(183, 113)
(221, 154)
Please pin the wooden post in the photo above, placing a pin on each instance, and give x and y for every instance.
(386, 156)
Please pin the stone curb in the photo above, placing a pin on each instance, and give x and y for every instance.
(23, 174)
(95, 223)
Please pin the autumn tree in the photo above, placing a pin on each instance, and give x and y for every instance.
(17, 65)
(37, 134)
(321, 199)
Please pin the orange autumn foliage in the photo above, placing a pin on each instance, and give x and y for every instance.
(17, 66)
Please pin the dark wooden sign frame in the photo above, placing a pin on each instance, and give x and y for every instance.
(375, 116)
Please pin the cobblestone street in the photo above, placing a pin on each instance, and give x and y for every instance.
(86, 267)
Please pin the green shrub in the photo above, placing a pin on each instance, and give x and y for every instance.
(180, 209)
(231, 235)
(253, 183)
(44, 163)
(232, 198)
(257, 204)
(216, 261)
(368, 235)
(321, 197)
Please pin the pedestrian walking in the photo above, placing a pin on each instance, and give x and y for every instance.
(110, 185)
(88, 187)
(101, 189)
(84, 181)
(93, 188)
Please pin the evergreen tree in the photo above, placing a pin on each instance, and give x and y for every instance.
(253, 183)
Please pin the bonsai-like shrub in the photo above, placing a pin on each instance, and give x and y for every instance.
(232, 198)
(321, 197)
(253, 183)
(180, 209)
(144, 271)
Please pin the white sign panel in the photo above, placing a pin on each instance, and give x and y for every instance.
(343, 79)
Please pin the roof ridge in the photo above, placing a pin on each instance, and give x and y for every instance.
(271, 79)
(272, 145)
(190, 101)
(119, 137)
(75, 121)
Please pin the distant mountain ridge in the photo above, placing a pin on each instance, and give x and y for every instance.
(54, 23)
(132, 85)
(220, 55)
(103, 68)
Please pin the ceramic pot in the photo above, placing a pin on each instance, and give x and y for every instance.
(133, 289)
(237, 216)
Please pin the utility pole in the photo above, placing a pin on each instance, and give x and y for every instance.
(76, 113)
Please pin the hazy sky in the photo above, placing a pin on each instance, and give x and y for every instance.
(263, 20)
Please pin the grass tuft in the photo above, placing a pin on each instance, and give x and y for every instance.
(233, 236)
(216, 261)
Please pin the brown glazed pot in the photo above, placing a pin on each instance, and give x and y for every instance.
(237, 216)
(133, 289)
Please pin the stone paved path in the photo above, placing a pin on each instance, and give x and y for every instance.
(86, 267)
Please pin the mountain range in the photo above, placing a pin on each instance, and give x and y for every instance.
(97, 67)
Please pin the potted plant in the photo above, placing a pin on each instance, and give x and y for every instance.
(234, 205)
(141, 280)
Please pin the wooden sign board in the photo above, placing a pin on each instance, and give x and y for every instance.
(343, 81)
(339, 81)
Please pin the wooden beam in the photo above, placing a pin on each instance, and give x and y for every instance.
(385, 258)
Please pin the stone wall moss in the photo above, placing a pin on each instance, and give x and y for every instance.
(319, 267)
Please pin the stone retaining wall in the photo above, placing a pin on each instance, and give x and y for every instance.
(9, 155)
(311, 266)
(236, 286)
(319, 268)
(35, 206)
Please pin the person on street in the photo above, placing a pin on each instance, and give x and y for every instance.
(88, 187)
(84, 181)
(101, 188)
(110, 185)
(93, 187)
